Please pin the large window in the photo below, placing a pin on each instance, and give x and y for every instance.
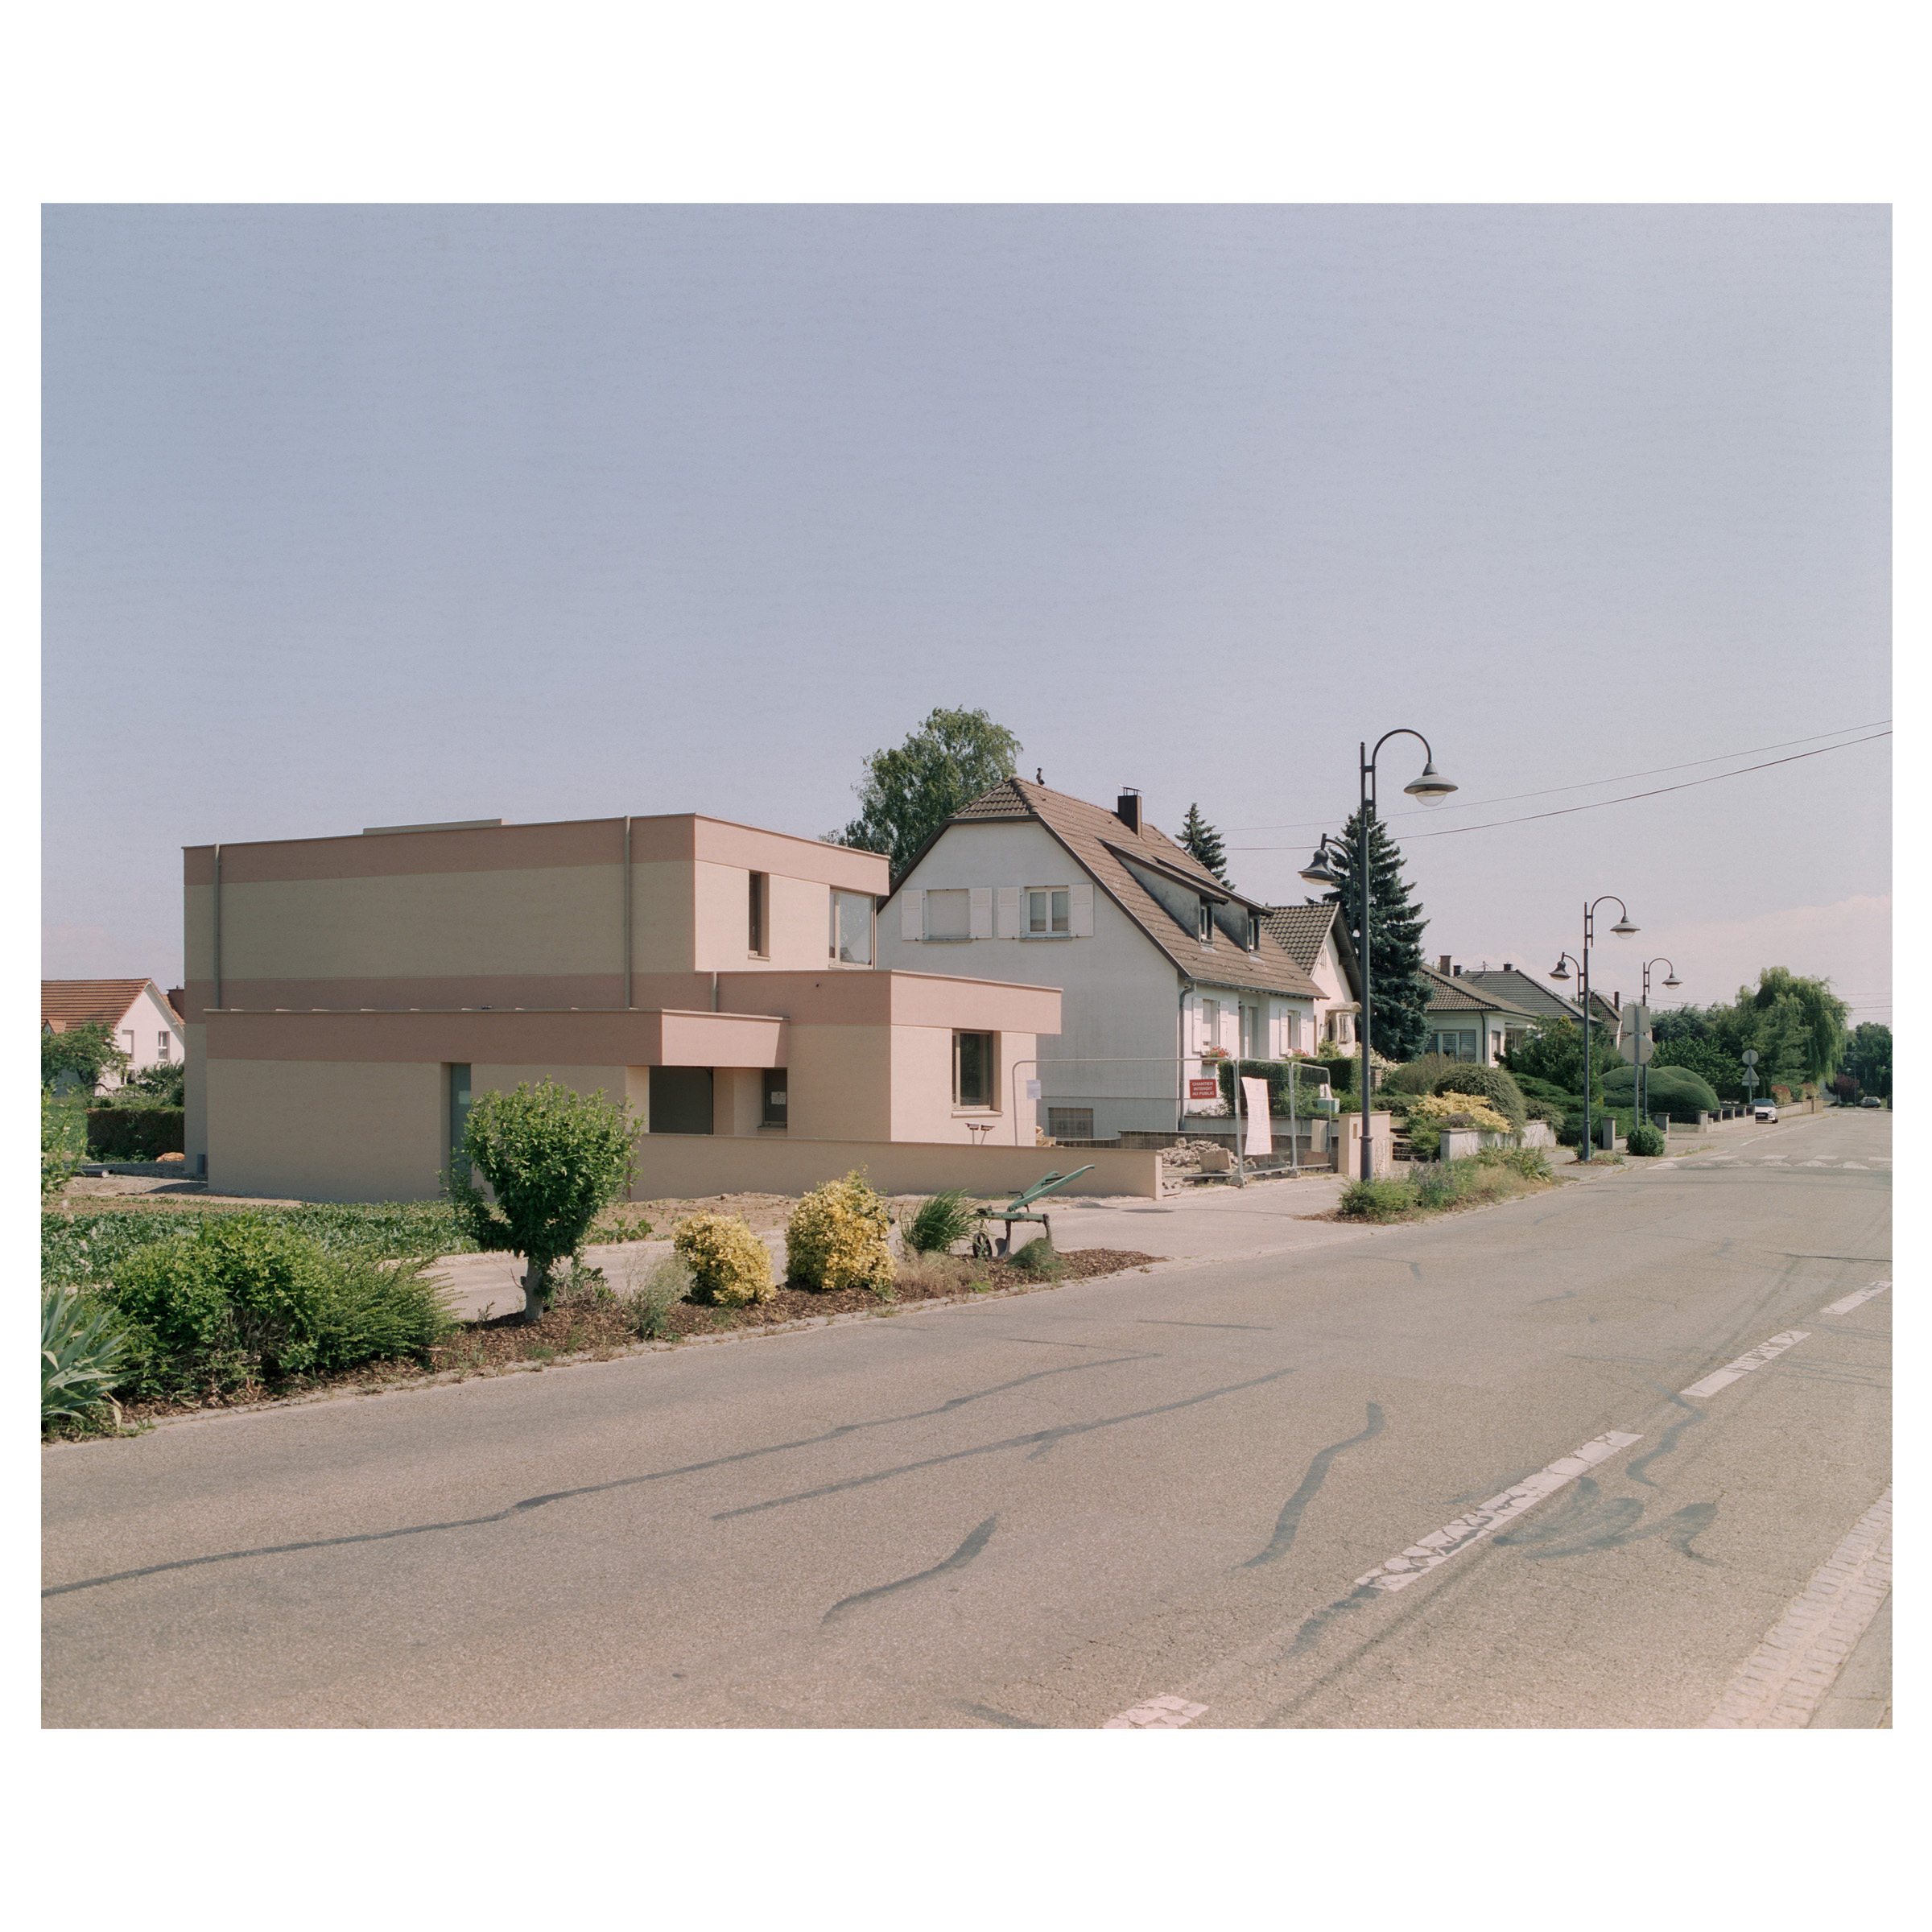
(1459, 1046)
(973, 1064)
(852, 928)
(1046, 912)
(949, 914)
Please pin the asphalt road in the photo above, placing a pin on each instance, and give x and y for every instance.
(1049, 1511)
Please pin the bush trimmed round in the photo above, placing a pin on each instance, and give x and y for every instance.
(839, 1237)
(1673, 1089)
(729, 1264)
(1493, 1083)
(1645, 1139)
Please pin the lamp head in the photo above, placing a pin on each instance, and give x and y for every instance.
(1560, 970)
(1432, 787)
(1316, 871)
(1674, 980)
(1624, 926)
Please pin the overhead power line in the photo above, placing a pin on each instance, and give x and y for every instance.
(1580, 785)
(1563, 811)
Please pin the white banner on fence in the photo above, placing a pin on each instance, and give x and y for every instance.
(1254, 1104)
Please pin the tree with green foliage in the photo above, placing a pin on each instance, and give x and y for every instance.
(1723, 1072)
(1868, 1057)
(551, 1158)
(1808, 1019)
(86, 1053)
(1203, 844)
(910, 791)
(1552, 1052)
(1400, 1021)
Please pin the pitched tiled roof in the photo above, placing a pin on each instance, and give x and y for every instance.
(1095, 836)
(65, 1003)
(1455, 994)
(1519, 990)
(1302, 931)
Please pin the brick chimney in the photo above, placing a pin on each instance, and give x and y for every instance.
(1127, 809)
(1442, 965)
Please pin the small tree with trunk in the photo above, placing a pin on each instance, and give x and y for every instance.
(85, 1054)
(550, 1159)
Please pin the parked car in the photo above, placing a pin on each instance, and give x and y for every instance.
(1764, 1110)
(1871, 1099)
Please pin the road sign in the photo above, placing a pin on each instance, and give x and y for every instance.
(1750, 1056)
(1750, 1078)
(1633, 1040)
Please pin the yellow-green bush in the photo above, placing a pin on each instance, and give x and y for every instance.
(1428, 1112)
(838, 1237)
(729, 1264)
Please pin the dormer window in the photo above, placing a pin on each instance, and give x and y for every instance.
(1254, 932)
(1204, 923)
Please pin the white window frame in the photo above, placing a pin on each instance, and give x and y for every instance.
(1063, 912)
(991, 1104)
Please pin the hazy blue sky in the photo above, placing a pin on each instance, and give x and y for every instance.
(371, 515)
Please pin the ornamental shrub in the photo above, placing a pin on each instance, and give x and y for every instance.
(1673, 1089)
(1419, 1075)
(729, 1264)
(82, 1355)
(1430, 1112)
(838, 1237)
(938, 1224)
(1494, 1085)
(1645, 1139)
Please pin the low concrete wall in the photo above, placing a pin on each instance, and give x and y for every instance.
(692, 1164)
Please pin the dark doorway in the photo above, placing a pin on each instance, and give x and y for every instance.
(680, 1100)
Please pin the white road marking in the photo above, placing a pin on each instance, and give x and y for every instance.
(1783, 1682)
(1858, 1165)
(1442, 1544)
(1852, 1301)
(1732, 1372)
(1167, 1713)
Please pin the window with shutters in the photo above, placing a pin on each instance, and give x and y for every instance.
(1047, 910)
(948, 915)
(1211, 1024)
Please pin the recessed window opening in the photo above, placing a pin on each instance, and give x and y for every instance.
(459, 1106)
(973, 1069)
(165, 1047)
(1204, 923)
(776, 1098)
(755, 922)
(852, 928)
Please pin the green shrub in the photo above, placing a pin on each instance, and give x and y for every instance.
(241, 1299)
(63, 1140)
(1304, 1076)
(1377, 1201)
(134, 1134)
(648, 1301)
(1531, 1163)
(938, 1225)
(83, 1352)
(1645, 1139)
(838, 1237)
(1491, 1083)
(729, 1266)
(1419, 1075)
(1676, 1091)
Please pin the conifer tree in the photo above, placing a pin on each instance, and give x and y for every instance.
(1203, 844)
(1399, 1023)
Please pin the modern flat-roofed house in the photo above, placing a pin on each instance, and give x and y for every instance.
(1158, 962)
(144, 1026)
(349, 997)
(1316, 938)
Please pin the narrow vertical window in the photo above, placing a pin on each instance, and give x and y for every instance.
(777, 1099)
(755, 922)
(973, 1069)
(459, 1107)
(1204, 923)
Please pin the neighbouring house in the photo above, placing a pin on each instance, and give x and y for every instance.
(1469, 1022)
(144, 1026)
(348, 998)
(1316, 938)
(1162, 969)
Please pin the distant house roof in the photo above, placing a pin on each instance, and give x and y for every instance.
(65, 1003)
(1519, 990)
(1455, 994)
(1101, 841)
(1302, 931)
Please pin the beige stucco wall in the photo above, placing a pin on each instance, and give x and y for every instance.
(737, 1099)
(195, 1098)
(325, 1131)
(840, 1083)
(693, 1164)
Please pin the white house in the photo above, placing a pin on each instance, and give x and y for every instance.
(144, 1026)
(1158, 963)
(1316, 938)
(1469, 1022)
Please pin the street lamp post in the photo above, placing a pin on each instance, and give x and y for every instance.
(1561, 971)
(1643, 1067)
(1431, 788)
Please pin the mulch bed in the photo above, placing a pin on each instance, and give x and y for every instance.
(599, 1330)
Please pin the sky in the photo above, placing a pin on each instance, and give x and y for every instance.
(376, 515)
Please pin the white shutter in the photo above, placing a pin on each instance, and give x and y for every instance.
(1080, 921)
(1009, 912)
(912, 913)
(979, 912)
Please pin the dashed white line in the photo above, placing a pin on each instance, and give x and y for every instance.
(1852, 1301)
(1440, 1545)
(1732, 1372)
(1780, 1685)
(1166, 1713)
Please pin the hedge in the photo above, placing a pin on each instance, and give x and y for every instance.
(135, 1133)
(1308, 1077)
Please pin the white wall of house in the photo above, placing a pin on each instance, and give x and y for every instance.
(148, 1034)
(1330, 1023)
(1131, 1032)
